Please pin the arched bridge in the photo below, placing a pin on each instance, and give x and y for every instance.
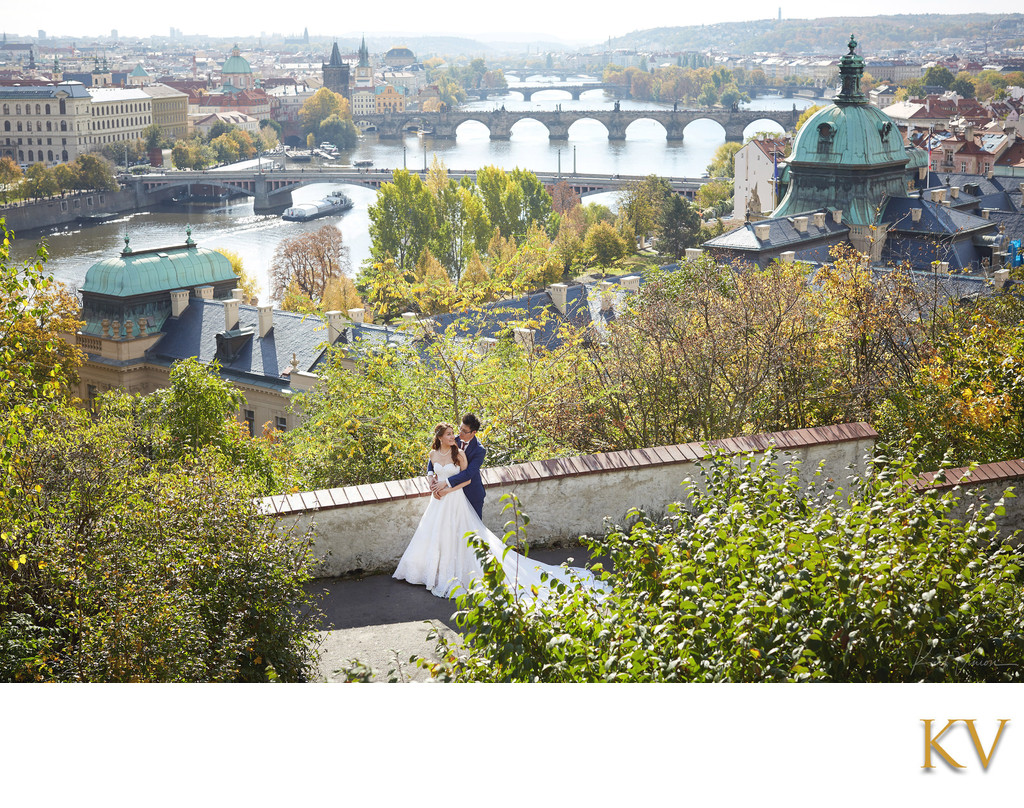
(574, 90)
(443, 125)
(272, 190)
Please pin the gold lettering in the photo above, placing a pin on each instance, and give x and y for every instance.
(933, 743)
(977, 741)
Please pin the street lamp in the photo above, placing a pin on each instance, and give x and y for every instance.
(574, 161)
(404, 149)
(559, 163)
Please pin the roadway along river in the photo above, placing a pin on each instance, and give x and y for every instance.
(235, 227)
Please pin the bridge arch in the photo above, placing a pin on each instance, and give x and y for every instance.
(526, 123)
(473, 128)
(765, 124)
(646, 129)
(719, 128)
(587, 123)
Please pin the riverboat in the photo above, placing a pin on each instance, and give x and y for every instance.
(362, 163)
(334, 203)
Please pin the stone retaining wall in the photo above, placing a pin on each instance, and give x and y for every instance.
(25, 218)
(366, 528)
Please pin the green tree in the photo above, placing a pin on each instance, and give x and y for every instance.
(462, 228)
(94, 173)
(641, 202)
(40, 180)
(153, 137)
(679, 227)
(963, 85)
(320, 106)
(723, 164)
(603, 246)
(339, 131)
(401, 220)
(937, 76)
(10, 176)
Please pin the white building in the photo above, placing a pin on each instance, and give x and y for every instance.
(118, 115)
(754, 185)
(47, 123)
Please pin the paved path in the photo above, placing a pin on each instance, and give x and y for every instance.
(381, 622)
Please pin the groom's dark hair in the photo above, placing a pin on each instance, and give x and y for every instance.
(471, 421)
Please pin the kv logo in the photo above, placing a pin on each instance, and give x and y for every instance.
(932, 742)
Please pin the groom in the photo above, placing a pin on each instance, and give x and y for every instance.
(475, 452)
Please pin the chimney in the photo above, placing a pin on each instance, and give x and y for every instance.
(266, 319)
(335, 326)
(938, 195)
(819, 219)
(943, 268)
(559, 294)
(106, 327)
(693, 253)
(761, 231)
(605, 288)
(1001, 277)
(355, 315)
(524, 337)
(837, 216)
(204, 292)
(1022, 189)
(915, 214)
(230, 314)
(788, 257)
(954, 192)
(409, 319)
(631, 283)
(985, 212)
(800, 223)
(179, 302)
(945, 203)
(485, 344)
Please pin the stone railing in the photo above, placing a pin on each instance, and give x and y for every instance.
(365, 528)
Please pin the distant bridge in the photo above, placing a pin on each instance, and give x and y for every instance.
(272, 190)
(527, 91)
(443, 125)
(785, 90)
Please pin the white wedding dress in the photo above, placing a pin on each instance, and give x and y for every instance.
(440, 558)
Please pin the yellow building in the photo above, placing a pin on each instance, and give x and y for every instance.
(389, 98)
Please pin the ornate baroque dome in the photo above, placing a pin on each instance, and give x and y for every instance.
(848, 156)
(236, 64)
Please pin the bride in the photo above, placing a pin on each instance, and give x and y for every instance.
(439, 556)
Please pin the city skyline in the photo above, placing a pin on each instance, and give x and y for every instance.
(531, 19)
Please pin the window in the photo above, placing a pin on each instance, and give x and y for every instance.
(963, 168)
(47, 109)
(281, 423)
(250, 420)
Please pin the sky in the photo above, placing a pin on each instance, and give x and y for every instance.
(578, 23)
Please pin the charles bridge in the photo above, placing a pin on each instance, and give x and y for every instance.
(499, 122)
(272, 190)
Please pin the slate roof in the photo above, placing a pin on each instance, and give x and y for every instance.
(935, 219)
(781, 235)
(194, 333)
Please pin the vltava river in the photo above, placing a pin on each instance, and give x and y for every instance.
(235, 227)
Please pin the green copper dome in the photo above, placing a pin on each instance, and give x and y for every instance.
(162, 270)
(848, 156)
(236, 64)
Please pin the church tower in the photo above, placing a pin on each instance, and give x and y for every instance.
(336, 74)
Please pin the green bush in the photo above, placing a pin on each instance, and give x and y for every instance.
(757, 578)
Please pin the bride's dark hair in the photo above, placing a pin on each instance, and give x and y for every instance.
(439, 430)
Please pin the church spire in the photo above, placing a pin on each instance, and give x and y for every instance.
(364, 54)
(335, 56)
(851, 68)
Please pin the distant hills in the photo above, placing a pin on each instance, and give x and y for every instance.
(829, 34)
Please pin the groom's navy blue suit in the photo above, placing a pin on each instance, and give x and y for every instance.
(475, 493)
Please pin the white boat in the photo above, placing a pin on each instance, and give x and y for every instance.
(334, 203)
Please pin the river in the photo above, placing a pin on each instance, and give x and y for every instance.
(234, 226)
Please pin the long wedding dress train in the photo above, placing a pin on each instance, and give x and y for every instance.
(440, 558)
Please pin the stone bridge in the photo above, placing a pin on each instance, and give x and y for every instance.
(443, 125)
(272, 190)
(527, 91)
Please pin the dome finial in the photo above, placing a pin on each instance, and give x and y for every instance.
(852, 44)
(127, 249)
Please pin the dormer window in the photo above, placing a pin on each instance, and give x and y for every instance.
(884, 130)
(825, 134)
